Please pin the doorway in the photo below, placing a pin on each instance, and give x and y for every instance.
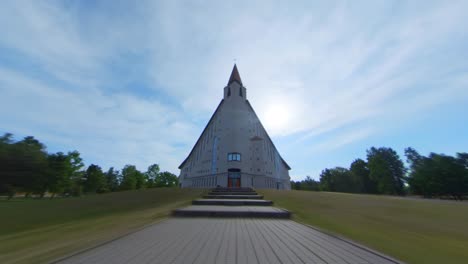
(234, 178)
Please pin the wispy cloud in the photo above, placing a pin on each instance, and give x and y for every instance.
(136, 83)
(340, 140)
(114, 129)
(343, 67)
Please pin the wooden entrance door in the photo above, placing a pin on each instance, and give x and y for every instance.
(234, 178)
(233, 183)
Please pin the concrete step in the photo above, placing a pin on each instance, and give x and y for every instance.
(231, 211)
(237, 202)
(258, 197)
(243, 189)
(233, 193)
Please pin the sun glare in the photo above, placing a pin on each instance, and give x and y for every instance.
(276, 118)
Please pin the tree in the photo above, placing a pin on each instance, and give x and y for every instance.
(112, 179)
(462, 158)
(58, 174)
(338, 179)
(309, 184)
(438, 174)
(76, 173)
(94, 180)
(326, 181)
(140, 180)
(6, 186)
(7, 138)
(295, 185)
(26, 166)
(166, 179)
(151, 175)
(386, 169)
(131, 178)
(361, 177)
(453, 175)
(420, 178)
(29, 166)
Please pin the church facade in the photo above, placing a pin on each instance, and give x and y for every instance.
(234, 149)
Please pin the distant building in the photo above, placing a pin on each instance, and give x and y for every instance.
(234, 149)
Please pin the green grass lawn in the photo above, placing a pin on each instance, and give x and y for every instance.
(412, 230)
(38, 231)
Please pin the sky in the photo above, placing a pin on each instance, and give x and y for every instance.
(135, 82)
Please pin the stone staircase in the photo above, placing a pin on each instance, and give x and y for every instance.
(232, 202)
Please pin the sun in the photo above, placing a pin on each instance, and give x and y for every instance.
(276, 117)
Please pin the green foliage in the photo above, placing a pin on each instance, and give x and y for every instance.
(151, 174)
(25, 166)
(361, 175)
(76, 173)
(112, 179)
(95, 180)
(382, 173)
(58, 176)
(166, 179)
(437, 175)
(386, 169)
(308, 184)
(131, 178)
(140, 180)
(339, 179)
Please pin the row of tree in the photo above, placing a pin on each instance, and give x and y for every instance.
(384, 172)
(25, 166)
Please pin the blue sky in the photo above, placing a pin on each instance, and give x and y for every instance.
(127, 82)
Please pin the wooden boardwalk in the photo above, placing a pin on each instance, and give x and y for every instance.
(228, 240)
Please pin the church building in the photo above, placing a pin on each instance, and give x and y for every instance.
(234, 149)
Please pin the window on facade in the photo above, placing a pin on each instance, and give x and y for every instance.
(234, 156)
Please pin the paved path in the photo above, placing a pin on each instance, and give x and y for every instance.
(228, 240)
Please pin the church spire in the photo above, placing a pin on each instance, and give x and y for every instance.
(235, 76)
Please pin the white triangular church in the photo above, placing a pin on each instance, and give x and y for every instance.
(234, 149)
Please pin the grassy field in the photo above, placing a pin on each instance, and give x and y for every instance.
(412, 230)
(37, 231)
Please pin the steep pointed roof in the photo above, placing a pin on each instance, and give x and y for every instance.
(235, 76)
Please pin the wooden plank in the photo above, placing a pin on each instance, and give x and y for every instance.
(184, 243)
(278, 246)
(246, 245)
(322, 248)
(207, 253)
(347, 252)
(359, 251)
(231, 251)
(198, 245)
(171, 236)
(299, 249)
(258, 245)
(223, 248)
(227, 240)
